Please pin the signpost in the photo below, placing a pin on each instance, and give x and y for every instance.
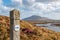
(14, 25)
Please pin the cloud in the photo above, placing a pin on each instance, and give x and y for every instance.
(46, 1)
(33, 7)
(28, 2)
(4, 10)
(0, 1)
(17, 1)
(42, 9)
(53, 15)
(48, 6)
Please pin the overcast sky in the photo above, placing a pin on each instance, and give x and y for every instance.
(44, 8)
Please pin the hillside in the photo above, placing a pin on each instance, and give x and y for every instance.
(27, 31)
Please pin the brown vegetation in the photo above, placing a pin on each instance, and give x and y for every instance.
(27, 31)
(56, 24)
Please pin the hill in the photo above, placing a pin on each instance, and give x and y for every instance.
(35, 17)
(38, 19)
(27, 31)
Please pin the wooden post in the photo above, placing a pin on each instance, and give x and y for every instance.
(14, 25)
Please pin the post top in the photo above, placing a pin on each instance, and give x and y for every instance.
(14, 10)
(14, 14)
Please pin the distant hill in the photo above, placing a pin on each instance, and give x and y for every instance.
(38, 19)
(35, 17)
(27, 31)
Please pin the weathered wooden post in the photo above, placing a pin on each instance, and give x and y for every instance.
(14, 25)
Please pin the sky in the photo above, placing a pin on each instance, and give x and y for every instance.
(27, 8)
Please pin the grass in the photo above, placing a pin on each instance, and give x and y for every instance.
(39, 33)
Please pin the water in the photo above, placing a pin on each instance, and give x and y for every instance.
(50, 26)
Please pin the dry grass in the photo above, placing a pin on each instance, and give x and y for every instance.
(38, 33)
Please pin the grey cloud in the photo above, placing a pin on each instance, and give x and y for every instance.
(27, 3)
(57, 10)
(46, 1)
